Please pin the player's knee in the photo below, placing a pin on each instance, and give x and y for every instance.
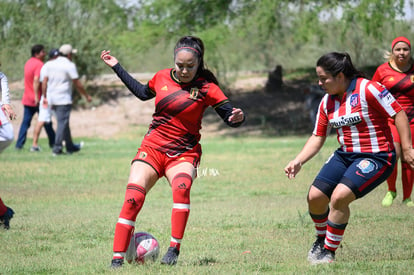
(181, 186)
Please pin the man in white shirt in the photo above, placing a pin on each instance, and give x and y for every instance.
(59, 76)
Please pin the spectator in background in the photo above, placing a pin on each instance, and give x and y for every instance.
(45, 113)
(59, 76)
(397, 76)
(31, 95)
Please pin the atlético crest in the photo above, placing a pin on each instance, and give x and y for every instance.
(354, 100)
(193, 93)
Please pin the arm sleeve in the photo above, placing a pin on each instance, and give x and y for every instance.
(4, 89)
(224, 110)
(140, 90)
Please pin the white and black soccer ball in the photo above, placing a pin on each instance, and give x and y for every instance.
(143, 247)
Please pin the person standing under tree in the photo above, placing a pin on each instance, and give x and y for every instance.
(31, 95)
(45, 112)
(359, 110)
(59, 76)
(397, 75)
(171, 147)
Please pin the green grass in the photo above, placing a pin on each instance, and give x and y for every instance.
(246, 216)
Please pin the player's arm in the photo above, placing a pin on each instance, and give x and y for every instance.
(140, 90)
(309, 150)
(234, 117)
(403, 128)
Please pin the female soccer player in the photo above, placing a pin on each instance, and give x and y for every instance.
(171, 147)
(359, 110)
(6, 138)
(397, 75)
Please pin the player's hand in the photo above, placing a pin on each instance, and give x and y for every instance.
(237, 116)
(408, 156)
(108, 59)
(292, 169)
(9, 111)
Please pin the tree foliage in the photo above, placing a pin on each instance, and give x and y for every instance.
(239, 34)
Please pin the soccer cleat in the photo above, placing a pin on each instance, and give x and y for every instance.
(35, 149)
(316, 248)
(5, 219)
(170, 258)
(389, 198)
(408, 202)
(117, 263)
(326, 256)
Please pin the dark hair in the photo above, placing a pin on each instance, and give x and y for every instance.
(335, 63)
(36, 49)
(197, 46)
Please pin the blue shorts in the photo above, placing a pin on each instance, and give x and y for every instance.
(361, 172)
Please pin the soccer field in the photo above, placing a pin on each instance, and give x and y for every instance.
(246, 216)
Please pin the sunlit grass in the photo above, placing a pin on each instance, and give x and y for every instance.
(246, 216)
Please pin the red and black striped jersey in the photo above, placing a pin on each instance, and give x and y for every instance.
(179, 108)
(400, 84)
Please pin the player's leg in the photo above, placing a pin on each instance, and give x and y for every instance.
(407, 178)
(6, 136)
(363, 175)
(180, 177)
(6, 213)
(318, 200)
(392, 179)
(142, 178)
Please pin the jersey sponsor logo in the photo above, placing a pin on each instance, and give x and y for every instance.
(194, 93)
(367, 166)
(347, 120)
(165, 88)
(354, 100)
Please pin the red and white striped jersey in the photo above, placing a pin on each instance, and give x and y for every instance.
(360, 117)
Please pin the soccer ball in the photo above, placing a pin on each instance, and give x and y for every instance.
(142, 247)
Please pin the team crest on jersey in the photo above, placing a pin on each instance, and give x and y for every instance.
(143, 155)
(367, 166)
(194, 93)
(354, 100)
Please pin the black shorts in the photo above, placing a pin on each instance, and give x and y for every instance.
(361, 172)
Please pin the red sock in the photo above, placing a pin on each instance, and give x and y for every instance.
(407, 180)
(134, 199)
(334, 235)
(181, 186)
(3, 208)
(392, 179)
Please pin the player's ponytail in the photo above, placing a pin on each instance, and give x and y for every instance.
(335, 63)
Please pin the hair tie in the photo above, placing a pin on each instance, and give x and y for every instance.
(189, 48)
